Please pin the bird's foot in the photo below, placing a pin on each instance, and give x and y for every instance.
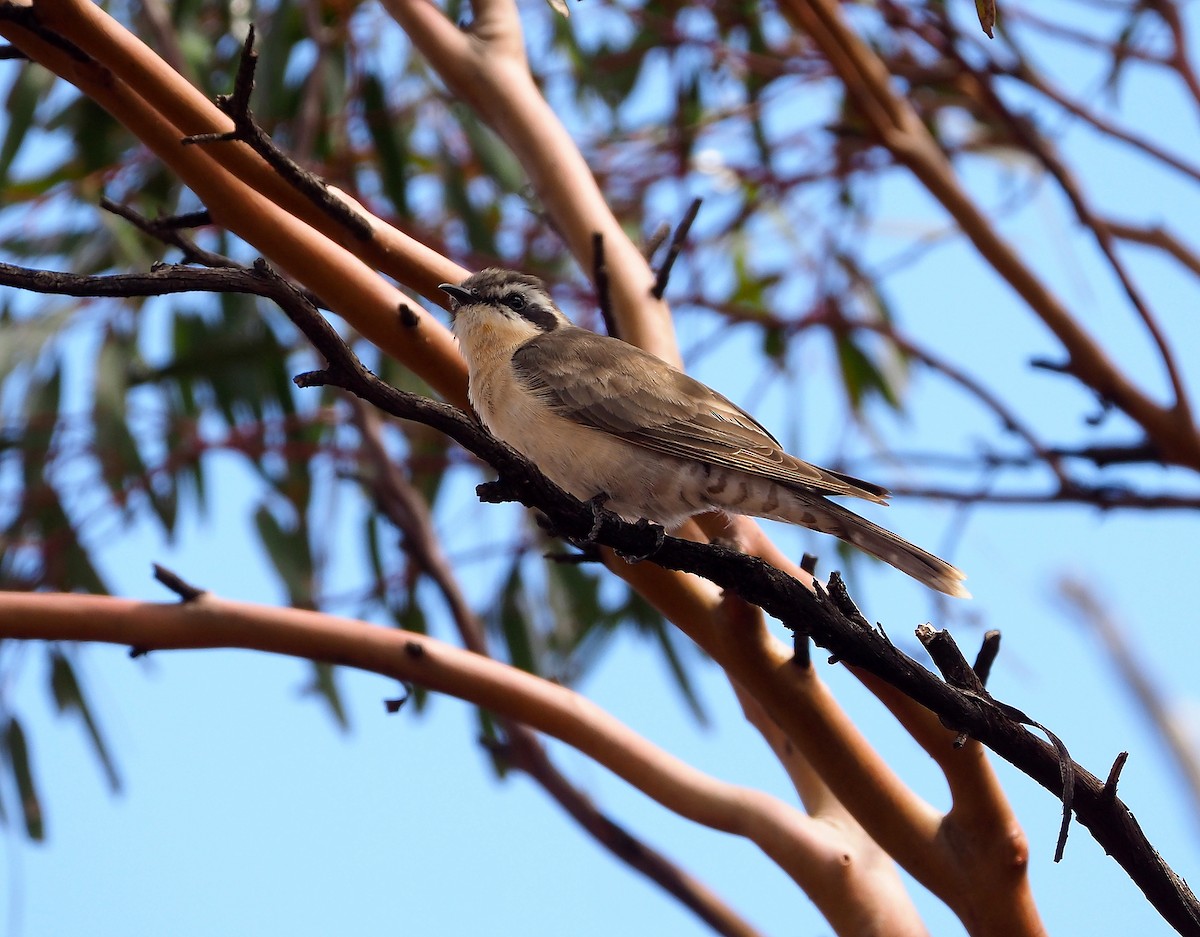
(596, 502)
(655, 532)
(658, 536)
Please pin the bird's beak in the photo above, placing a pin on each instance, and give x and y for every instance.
(459, 295)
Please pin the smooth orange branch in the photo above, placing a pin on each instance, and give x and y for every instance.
(883, 895)
(804, 849)
(486, 67)
(980, 827)
(984, 882)
(351, 288)
(808, 714)
(99, 35)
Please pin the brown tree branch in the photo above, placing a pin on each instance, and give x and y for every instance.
(1024, 72)
(1156, 236)
(1033, 142)
(206, 621)
(872, 882)
(899, 128)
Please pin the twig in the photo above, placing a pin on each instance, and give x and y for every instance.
(600, 279)
(168, 231)
(185, 591)
(237, 107)
(958, 673)
(673, 249)
(1024, 72)
(1114, 774)
(1155, 236)
(655, 240)
(987, 656)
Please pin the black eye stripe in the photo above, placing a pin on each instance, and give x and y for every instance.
(539, 315)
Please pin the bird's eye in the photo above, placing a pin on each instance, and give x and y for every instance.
(514, 301)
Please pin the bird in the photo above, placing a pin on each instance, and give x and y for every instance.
(606, 420)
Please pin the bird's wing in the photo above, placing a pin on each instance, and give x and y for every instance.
(612, 386)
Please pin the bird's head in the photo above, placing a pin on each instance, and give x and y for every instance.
(505, 302)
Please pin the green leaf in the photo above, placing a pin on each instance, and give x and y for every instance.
(68, 697)
(490, 739)
(40, 420)
(774, 344)
(16, 751)
(391, 147)
(480, 234)
(116, 449)
(22, 102)
(496, 158)
(580, 624)
(668, 640)
(371, 538)
(24, 338)
(324, 685)
(860, 376)
(510, 619)
(291, 555)
(66, 565)
(100, 139)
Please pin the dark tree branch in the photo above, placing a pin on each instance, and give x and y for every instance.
(655, 240)
(174, 582)
(603, 291)
(27, 18)
(237, 107)
(960, 674)
(168, 230)
(821, 616)
(673, 249)
(987, 656)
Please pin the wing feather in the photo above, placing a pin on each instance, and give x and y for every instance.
(660, 408)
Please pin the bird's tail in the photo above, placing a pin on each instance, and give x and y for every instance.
(830, 518)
